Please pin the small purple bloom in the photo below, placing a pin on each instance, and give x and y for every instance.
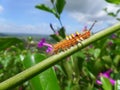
(113, 36)
(110, 43)
(112, 81)
(90, 46)
(98, 82)
(57, 33)
(106, 75)
(42, 43)
(49, 49)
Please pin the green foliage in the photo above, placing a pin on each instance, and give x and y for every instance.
(113, 14)
(56, 37)
(77, 71)
(113, 1)
(60, 5)
(47, 9)
(56, 10)
(46, 78)
(106, 83)
(9, 65)
(62, 32)
(7, 42)
(61, 35)
(117, 85)
(14, 59)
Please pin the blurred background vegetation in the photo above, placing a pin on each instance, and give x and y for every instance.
(77, 72)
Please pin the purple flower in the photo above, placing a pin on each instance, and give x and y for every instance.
(113, 36)
(106, 75)
(57, 33)
(90, 46)
(49, 49)
(42, 43)
(110, 43)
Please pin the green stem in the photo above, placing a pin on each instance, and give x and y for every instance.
(45, 64)
(60, 22)
(67, 69)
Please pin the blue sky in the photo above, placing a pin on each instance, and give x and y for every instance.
(21, 16)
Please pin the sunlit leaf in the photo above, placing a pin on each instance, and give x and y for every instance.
(113, 1)
(97, 53)
(106, 83)
(44, 8)
(107, 59)
(47, 9)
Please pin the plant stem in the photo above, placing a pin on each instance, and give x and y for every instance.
(45, 64)
(60, 22)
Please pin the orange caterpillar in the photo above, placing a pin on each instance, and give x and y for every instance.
(72, 40)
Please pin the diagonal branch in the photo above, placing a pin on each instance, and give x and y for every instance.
(45, 64)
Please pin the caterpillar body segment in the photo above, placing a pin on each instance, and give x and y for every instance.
(72, 40)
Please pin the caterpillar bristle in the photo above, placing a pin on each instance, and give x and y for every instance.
(67, 38)
(72, 40)
(77, 33)
(72, 35)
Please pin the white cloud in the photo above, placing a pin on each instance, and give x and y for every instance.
(1, 8)
(89, 10)
(81, 17)
(112, 8)
(84, 6)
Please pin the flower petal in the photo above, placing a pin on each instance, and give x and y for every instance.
(49, 49)
(41, 42)
(112, 81)
(98, 82)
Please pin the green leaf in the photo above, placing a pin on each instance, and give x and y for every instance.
(60, 5)
(47, 9)
(56, 37)
(98, 66)
(7, 42)
(97, 53)
(52, 1)
(118, 19)
(116, 60)
(106, 83)
(112, 14)
(107, 59)
(80, 63)
(44, 8)
(117, 11)
(113, 1)
(44, 81)
(62, 32)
